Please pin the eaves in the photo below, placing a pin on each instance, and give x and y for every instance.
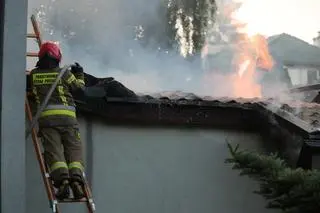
(297, 138)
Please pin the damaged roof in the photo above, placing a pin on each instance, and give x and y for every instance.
(296, 123)
(307, 113)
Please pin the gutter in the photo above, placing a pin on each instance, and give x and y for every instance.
(310, 136)
(305, 88)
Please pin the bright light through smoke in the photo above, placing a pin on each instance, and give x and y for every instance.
(269, 17)
(248, 14)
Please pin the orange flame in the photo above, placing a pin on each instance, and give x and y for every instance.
(251, 53)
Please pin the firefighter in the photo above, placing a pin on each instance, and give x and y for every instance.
(58, 125)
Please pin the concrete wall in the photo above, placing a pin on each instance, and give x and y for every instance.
(137, 170)
(13, 29)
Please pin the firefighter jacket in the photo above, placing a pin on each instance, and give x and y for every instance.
(61, 108)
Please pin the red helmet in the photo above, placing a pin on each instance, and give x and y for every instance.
(50, 48)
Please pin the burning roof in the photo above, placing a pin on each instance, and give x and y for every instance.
(296, 122)
(117, 93)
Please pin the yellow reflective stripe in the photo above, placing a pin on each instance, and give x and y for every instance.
(44, 78)
(78, 135)
(45, 75)
(35, 92)
(58, 112)
(71, 78)
(80, 81)
(76, 165)
(62, 96)
(58, 165)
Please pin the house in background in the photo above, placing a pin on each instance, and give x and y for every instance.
(300, 59)
(297, 63)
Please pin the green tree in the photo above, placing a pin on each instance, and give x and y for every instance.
(195, 17)
(182, 25)
(293, 190)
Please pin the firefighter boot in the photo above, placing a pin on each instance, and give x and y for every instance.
(77, 183)
(63, 190)
(77, 189)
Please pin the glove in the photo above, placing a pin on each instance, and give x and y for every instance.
(76, 68)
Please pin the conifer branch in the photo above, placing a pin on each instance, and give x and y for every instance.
(288, 189)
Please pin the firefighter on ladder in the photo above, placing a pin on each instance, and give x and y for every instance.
(58, 125)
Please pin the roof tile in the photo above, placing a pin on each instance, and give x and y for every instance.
(307, 112)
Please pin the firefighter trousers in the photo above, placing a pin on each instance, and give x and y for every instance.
(63, 153)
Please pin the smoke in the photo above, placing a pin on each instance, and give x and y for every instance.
(102, 35)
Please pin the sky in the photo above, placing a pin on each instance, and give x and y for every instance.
(300, 18)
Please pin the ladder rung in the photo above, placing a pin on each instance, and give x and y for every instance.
(32, 54)
(70, 200)
(31, 35)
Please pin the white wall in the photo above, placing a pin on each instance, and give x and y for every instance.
(299, 75)
(12, 96)
(137, 170)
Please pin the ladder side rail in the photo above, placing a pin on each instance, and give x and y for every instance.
(45, 175)
(54, 202)
(36, 144)
(36, 29)
(88, 195)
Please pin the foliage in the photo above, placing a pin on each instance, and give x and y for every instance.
(291, 190)
(196, 16)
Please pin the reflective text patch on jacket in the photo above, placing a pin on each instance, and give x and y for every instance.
(60, 110)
